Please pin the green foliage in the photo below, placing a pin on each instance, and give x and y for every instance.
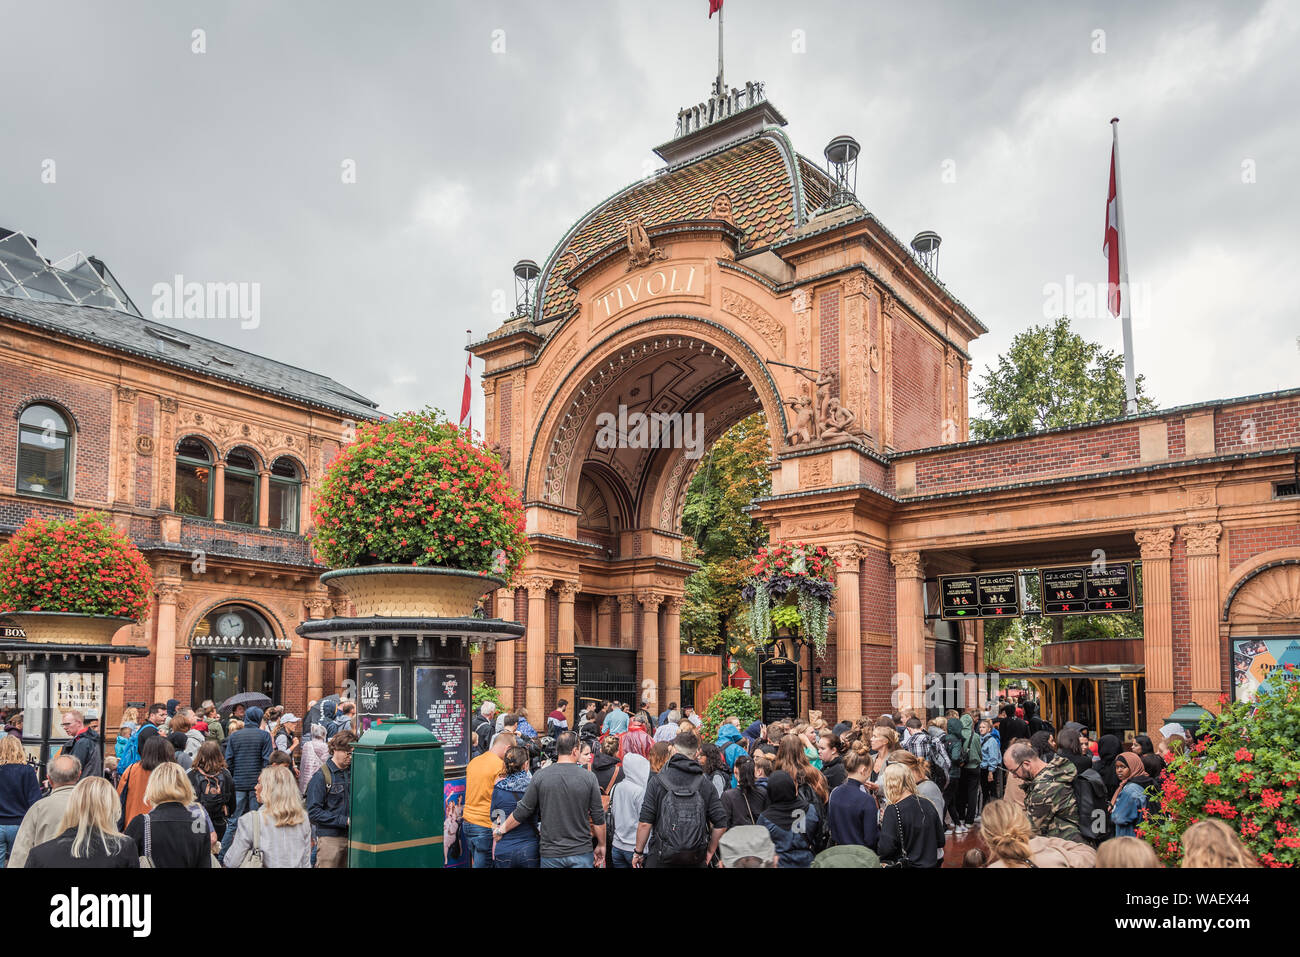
(417, 490)
(1051, 377)
(1247, 774)
(481, 693)
(728, 701)
(723, 537)
(786, 616)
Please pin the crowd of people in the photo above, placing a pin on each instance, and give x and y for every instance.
(187, 787)
(627, 790)
(184, 787)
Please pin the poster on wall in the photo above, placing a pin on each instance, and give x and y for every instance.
(34, 704)
(379, 693)
(1258, 664)
(442, 704)
(73, 690)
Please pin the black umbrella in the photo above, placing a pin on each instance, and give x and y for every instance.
(249, 699)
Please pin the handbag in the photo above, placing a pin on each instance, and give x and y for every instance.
(253, 856)
(898, 819)
(146, 859)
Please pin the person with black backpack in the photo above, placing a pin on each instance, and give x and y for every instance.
(683, 811)
(214, 787)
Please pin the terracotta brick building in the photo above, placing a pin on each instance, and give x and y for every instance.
(745, 277)
(202, 453)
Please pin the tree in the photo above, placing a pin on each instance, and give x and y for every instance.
(1052, 377)
(723, 536)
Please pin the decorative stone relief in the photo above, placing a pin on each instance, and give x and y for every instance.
(1273, 595)
(757, 318)
(814, 473)
(640, 251)
(1202, 539)
(906, 564)
(1155, 543)
(722, 209)
(838, 523)
(144, 444)
(557, 364)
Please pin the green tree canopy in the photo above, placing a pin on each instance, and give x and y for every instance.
(722, 536)
(1051, 377)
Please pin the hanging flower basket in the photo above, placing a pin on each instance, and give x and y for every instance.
(72, 581)
(791, 584)
(417, 519)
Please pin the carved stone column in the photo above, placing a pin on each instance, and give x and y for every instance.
(604, 622)
(125, 458)
(263, 498)
(909, 605)
(318, 606)
(505, 667)
(1202, 611)
(166, 452)
(627, 621)
(848, 630)
(649, 672)
(568, 591)
(219, 491)
(1157, 623)
(164, 673)
(535, 695)
(672, 653)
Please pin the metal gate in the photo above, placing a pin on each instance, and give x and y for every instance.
(607, 674)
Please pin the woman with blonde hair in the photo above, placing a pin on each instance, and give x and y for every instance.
(1126, 852)
(19, 790)
(88, 832)
(279, 830)
(1211, 843)
(919, 768)
(1011, 842)
(175, 830)
(911, 831)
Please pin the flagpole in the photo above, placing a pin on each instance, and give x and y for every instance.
(721, 87)
(1130, 380)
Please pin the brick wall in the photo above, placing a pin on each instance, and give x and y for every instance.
(90, 405)
(1177, 432)
(876, 602)
(1259, 425)
(1180, 608)
(918, 387)
(1244, 543)
(828, 314)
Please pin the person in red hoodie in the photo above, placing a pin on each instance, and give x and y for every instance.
(636, 739)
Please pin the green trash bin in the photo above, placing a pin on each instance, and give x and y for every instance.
(397, 812)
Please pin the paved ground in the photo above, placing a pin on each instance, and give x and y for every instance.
(957, 845)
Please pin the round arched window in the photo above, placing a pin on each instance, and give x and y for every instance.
(193, 478)
(286, 487)
(241, 487)
(44, 452)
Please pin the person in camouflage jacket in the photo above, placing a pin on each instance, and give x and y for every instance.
(1049, 792)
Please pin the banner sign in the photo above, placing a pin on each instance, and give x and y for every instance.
(982, 595)
(1260, 664)
(1087, 589)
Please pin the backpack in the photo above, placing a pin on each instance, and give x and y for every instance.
(1094, 807)
(130, 751)
(681, 827)
(940, 763)
(954, 745)
(207, 789)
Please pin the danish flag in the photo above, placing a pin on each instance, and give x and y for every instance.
(465, 420)
(714, 7)
(1113, 239)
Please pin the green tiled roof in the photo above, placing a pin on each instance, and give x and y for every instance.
(763, 176)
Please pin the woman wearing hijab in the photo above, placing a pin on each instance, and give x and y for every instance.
(625, 809)
(1108, 749)
(1130, 797)
(793, 822)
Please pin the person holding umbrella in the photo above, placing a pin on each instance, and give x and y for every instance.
(248, 751)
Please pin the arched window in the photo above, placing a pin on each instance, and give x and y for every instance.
(234, 648)
(286, 488)
(241, 488)
(44, 452)
(193, 478)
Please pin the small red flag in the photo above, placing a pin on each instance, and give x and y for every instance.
(714, 7)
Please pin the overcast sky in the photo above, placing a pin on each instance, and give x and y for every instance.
(987, 122)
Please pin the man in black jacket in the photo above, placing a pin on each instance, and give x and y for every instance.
(327, 802)
(1011, 727)
(695, 806)
(248, 750)
(84, 745)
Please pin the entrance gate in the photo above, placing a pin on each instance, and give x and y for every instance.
(607, 674)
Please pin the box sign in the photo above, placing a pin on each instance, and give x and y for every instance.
(830, 689)
(569, 671)
(1260, 664)
(780, 694)
(1087, 589)
(442, 704)
(983, 595)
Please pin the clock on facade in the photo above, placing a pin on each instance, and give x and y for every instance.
(230, 625)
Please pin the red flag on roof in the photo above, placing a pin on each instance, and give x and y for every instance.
(714, 7)
(1112, 238)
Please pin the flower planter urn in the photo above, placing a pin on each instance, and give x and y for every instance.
(67, 628)
(410, 591)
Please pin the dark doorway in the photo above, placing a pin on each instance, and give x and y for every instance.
(607, 674)
(218, 676)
